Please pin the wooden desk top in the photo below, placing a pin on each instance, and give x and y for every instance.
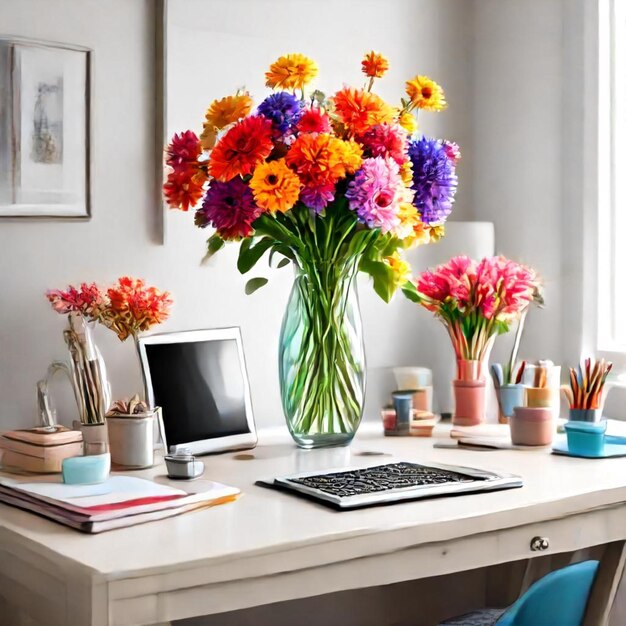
(264, 522)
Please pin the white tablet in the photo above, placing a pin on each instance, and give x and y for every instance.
(199, 380)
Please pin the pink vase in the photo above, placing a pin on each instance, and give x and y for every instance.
(469, 402)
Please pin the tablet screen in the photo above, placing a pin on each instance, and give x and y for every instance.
(200, 388)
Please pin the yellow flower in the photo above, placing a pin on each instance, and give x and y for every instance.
(208, 136)
(408, 122)
(228, 110)
(349, 155)
(291, 71)
(437, 232)
(275, 186)
(374, 65)
(406, 173)
(400, 268)
(426, 94)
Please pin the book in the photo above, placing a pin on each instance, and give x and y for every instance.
(12, 461)
(45, 436)
(59, 451)
(118, 502)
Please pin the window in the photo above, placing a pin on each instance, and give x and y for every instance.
(612, 179)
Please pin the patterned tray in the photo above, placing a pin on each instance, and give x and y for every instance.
(391, 482)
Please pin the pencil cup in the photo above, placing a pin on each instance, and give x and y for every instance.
(469, 402)
(509, 396)
(585, 415)
(539, 397)
(403, 404)
(532, 426)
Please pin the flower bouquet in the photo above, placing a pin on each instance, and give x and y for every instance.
(476, 301)
(128, 308)
(331, 185)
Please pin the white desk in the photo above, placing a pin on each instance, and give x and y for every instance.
(269, 546)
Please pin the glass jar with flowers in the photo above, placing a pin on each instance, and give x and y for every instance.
(128, 308)
(332, 186)
(476, 302)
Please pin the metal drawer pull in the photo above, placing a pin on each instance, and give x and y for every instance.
(538, 544)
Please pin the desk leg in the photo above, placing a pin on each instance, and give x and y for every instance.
(606, 584)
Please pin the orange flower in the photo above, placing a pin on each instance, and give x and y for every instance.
(291, 71)
(359, 110)
(182, 189)
(134, 308)
(241, 149)
(230, 109)
(321, 158)
(275, 186)
(426, 94)
(374, 65)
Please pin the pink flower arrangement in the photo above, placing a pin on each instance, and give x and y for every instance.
(127, 308)
(476, 301)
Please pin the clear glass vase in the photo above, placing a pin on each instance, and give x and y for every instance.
(321, 355)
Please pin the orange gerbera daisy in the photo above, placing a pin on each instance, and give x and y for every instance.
(227, 110)
(426, 94)
(291, 71)
(275, 186)
(241, 149)
(359, 110)
(374, 65)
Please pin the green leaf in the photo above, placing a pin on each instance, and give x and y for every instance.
(283, 262)
(214, 243)
(410, 291)
(255, 283)
(382, 275)
(250, 254)
(286, 251)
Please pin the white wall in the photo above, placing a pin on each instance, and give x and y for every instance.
(428, 36)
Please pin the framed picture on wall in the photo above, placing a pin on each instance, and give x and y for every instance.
(45, 94)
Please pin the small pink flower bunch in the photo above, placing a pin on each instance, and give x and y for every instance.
(128, 307)
(477, 300)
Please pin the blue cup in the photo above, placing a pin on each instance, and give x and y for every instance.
(510, 396)
(403, 404)
(585, 438)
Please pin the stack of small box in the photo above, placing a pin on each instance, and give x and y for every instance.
(40, 450)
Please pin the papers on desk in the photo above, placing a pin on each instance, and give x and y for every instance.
(118, 502)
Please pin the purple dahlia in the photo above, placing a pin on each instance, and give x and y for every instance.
(283, 109)
(434, 179)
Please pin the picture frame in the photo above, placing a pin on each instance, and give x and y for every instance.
(45, 129)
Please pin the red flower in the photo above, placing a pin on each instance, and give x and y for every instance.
(314, 121)
(183, 151)
(241, 149)
(87, 300)
(182, 189)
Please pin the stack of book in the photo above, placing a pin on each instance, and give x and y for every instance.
(118, 502)
(39, 450)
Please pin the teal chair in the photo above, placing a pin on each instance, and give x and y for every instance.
(557, 599)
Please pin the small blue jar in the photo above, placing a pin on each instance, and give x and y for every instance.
(585, 438)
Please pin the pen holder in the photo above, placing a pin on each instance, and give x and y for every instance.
(585, 415)
(539, 397)
(403, 405)
(509, 396)
(469, 402)
(532, 426)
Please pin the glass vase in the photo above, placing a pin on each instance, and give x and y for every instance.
(321, 355)
(86, 372)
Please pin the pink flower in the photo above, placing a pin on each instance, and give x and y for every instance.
(434, 286)
(386, 140)
(183, 151)
(376, 193)
(87, 300)
(452, 150)
(317, 197)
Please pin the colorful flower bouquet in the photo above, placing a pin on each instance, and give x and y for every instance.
(332, 185)
(128, 308)
(476, 301)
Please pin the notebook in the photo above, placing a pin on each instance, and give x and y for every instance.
(118, 502)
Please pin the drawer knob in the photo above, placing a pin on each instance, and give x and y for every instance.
(539, 544)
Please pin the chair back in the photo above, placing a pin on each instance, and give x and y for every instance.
(560, 598)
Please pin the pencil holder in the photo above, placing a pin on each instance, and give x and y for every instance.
(509, 396)
(539, 397)
(532, 426)
(585, 415)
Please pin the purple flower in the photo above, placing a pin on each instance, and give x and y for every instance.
(229, 208)
(317, 198)
(283, 109)
(434, 179)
